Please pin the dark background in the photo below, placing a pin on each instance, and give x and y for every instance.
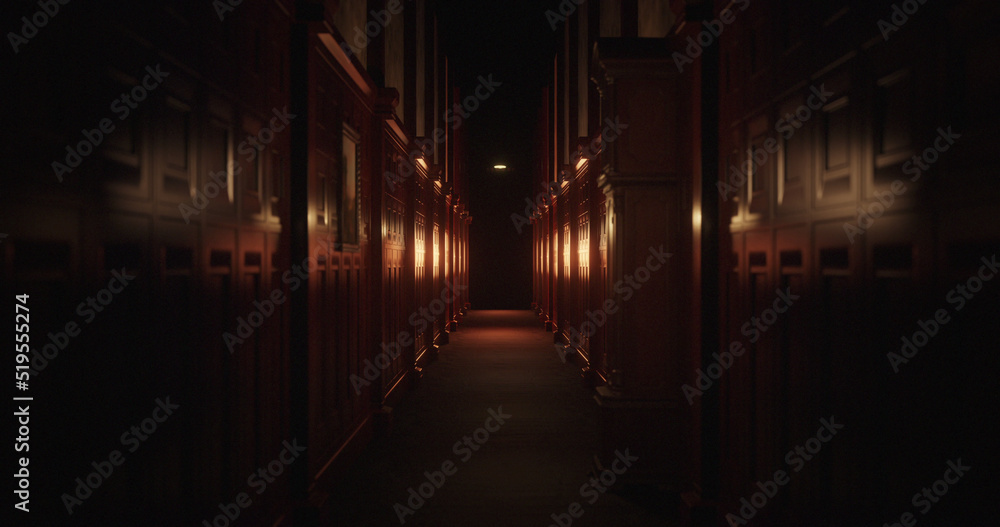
(515, 43)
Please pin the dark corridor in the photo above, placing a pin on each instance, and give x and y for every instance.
(534, 463)
(705, 263)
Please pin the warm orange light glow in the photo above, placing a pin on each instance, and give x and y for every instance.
(500, 167)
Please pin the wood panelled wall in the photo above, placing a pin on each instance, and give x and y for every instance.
(792, 228)
(210, 262)
(801, 224)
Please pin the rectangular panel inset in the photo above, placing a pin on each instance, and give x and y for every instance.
(760, 172)
(176, 185)
(837, 138)
(119, 163)
(253, 259)
(791, 258)
(176, 137)
(279, 167)
(221, 259)
(216, 152)
(796, 157)
(894, 113)
(838, 258)
(350, 172)
(124, 139)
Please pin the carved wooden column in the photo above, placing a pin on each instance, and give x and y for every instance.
(548, 246)
(461, 241)
(447, 199)
(648, 182)
(534, 265)
(466, 294)
(451, 247)
(560, 239)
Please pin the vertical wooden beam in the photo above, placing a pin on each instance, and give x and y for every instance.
(376, 48)
(650, 192)
(298, 232)
(711, 221)
(710, 273)
(410, 65)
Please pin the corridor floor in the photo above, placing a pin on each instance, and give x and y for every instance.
(530, 468)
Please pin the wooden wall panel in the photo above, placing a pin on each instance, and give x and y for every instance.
(187, 327)
(793, 225)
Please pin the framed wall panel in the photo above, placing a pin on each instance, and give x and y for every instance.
(216, 157)
(175, 150)
(252, 162)
(349, 203)
(761, 177)
(840, 134)
(794, 160)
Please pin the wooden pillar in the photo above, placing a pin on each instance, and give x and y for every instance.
(551, 249)
(468, 246)
(648, 180)
(452, 321)
(534, 264)
(388, 146)
(711, 274)
(301, 42)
